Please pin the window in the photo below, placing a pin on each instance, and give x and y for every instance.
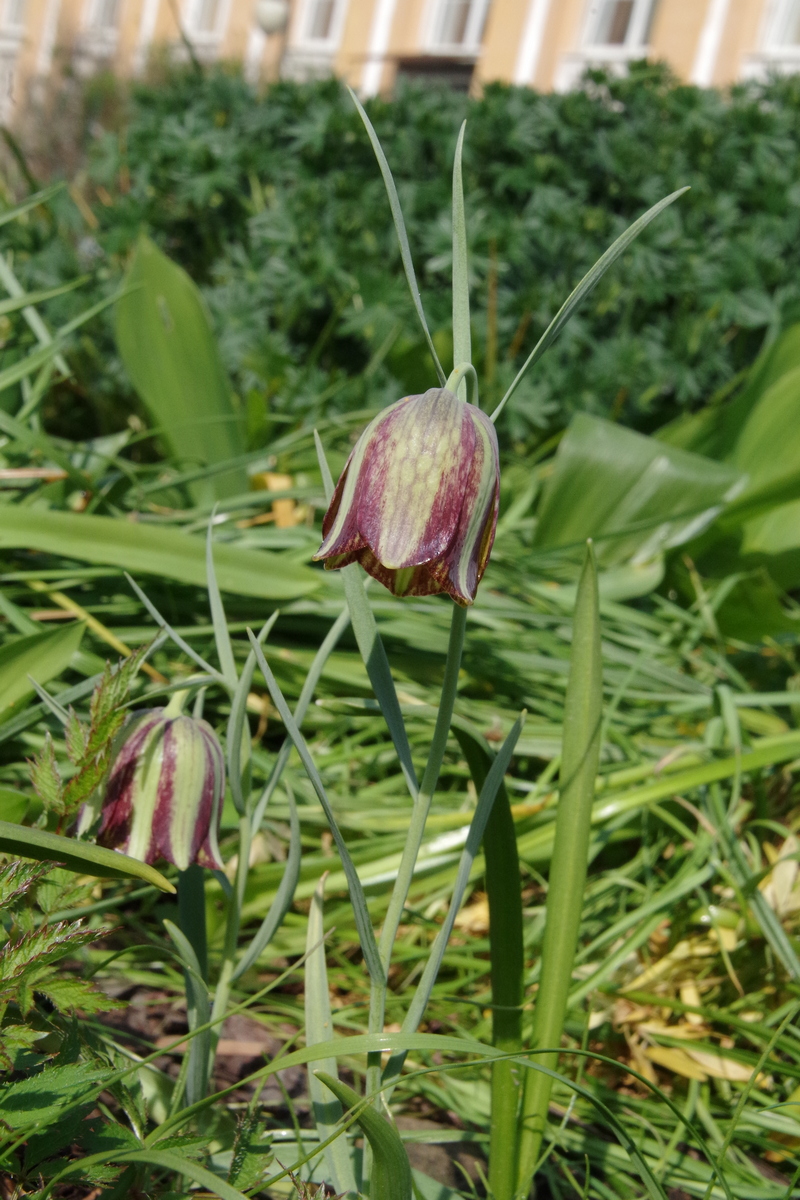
(322, 21)
(105, 15)
(205, 16)
(14, 14)
(623, 23)
(457, 25)
(786, 29)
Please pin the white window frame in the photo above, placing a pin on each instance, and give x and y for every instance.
(776, 18)
(15, 26)
(90, 22)
(635, 44)
(773, 54)
(328, 44)
(473, 34)
(205, 38)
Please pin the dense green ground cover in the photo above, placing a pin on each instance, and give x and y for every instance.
(688, 974)
(274, 205)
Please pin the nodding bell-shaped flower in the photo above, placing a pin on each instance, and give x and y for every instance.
(164, 793)
(417, 501)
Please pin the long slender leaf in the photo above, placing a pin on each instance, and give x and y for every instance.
(372, 649)
(391, 1170)
(149, 550)
(37, 656)
(366, 935)
(283, 896)
(494, 779)
(319, 1029)
(462, 338)
(198, 1011)
(580, 755)
(589, 280)
(402, 236)
(507, 950)
(221, 635)
(81, 857)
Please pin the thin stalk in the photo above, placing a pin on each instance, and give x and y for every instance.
(416, 832)
(223, 988)
(579, 760)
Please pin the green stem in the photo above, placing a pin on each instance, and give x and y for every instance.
(464, 370)
(223, 988)
(416, 831)
(579, 759)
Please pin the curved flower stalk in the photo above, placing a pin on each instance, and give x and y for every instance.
(164, 792)
(417, 502)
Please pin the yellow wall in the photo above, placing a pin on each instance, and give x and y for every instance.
(679, 29)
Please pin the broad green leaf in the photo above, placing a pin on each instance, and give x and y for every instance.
(633, 495)
(167, 345)
(40, 1097)
(81, 857)
(391, 1170)
(150, 550)
(319, 1029)
(13, 805)
(42, 656)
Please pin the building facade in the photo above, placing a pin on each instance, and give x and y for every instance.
(547, 44)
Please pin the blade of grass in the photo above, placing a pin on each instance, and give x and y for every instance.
(218, 619)
(198, 1012)
(283, 897)
(402, 236)
(462, 340)
(486, 799)
(319, 1029)
(390, 1178)
(366, 935)
(507, 951)
(579, 761)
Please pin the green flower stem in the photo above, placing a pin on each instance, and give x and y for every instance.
(416, 831)
(579, 760)
(223, 988)
(464, 370)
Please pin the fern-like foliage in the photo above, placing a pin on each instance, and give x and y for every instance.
(89, 744)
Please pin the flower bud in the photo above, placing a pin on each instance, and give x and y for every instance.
(164, 793)
(417, 501)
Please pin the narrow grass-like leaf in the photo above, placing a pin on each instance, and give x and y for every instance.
(402, 236)
(283, 896)
(366, 935)
(218, 619)
(37, 656)
(391, 1170)
(462, 338)
(152, 550)
(42, 197)
(32, 317)
(504, 893)
(198, 1011)
(238, 739)
(81, 857)
(175, 637)
(589, 280)
(157, 1158)
(25, 299)
(306, 694)
(319, 1029)
(580, 756)
(371, 647)
(486, 799)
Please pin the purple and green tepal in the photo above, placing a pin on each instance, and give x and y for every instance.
(164, 794)
(417, 501)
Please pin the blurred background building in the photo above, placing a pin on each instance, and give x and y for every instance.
(546, 44)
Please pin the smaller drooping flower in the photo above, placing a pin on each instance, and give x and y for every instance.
(417, 501)
(164, 792)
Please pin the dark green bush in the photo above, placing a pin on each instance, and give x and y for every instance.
(275, 206)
